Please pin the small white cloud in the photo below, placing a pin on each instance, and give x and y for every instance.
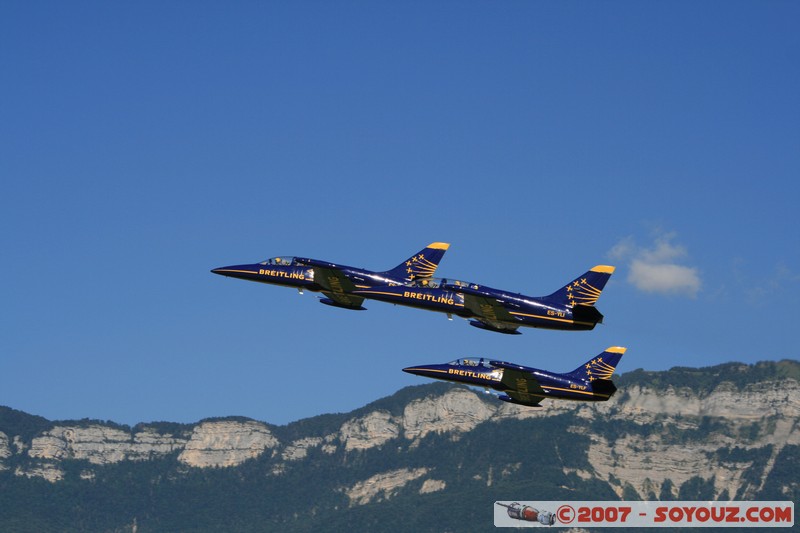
(664, 278)
(655, 269)
(663, 250)
(623, 249)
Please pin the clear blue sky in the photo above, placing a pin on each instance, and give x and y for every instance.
(142, 144)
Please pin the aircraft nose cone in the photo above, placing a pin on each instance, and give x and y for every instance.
(236, 271)
(223, 271)
(416, 370)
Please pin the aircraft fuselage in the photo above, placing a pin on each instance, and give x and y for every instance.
(289, 275)
(526, 311)
(336, 282)
(301, 275)
(552, 385)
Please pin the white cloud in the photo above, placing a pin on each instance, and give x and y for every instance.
(623, 249)
(664, 277)
(655, 269)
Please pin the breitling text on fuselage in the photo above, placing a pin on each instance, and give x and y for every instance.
(429, 297)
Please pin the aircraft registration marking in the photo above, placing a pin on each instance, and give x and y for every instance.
(581, 392)
(542, 317)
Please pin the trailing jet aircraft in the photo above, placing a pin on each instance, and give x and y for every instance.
(337, 282)
(590, 382)
(571, 307)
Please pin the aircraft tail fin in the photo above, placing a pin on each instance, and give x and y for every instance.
(600, 367)
(421, 265)
(586, 288)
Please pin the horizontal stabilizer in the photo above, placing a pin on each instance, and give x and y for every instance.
(604, 387)
(587, 313)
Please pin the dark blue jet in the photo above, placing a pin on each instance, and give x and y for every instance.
(337, 282)
(571, 307)
(590, 382)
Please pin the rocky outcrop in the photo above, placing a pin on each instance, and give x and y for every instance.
(5, 447)
(226, 443)
(369, 431)
(299, 449)
(770, 410)
(432, 485)
(5, 450)
(457, 411)
(49, 471)
(382, 486)
(101, 444)
(753, 402)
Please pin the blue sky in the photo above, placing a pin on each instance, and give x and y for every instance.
(142, 144)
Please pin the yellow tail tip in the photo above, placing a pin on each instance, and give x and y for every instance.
(616, 349)
(605, 269)
(439, 245)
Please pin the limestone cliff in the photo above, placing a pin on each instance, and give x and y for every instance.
(226, 443)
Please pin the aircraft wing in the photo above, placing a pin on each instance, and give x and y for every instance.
(337, 287)
(525, 399)
(488, 308)
(490, 311)
(522, 386)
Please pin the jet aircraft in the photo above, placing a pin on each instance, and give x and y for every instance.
(571, 307)
(590, 382)
(336, 282)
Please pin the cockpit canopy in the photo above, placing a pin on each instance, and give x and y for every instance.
(278, 261)
(438, 283)
(471, 361)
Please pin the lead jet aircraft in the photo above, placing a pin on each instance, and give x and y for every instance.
(337, 282)
(571, 307)
(590, 382)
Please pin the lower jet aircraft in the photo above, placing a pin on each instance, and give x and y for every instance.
(590, 382)
(571, 307)
(337, 282)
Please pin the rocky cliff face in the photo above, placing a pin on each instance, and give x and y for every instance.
(5, 449)
(663, 440)
(226, 443)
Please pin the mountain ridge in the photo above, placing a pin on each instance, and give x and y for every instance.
(724, 431)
